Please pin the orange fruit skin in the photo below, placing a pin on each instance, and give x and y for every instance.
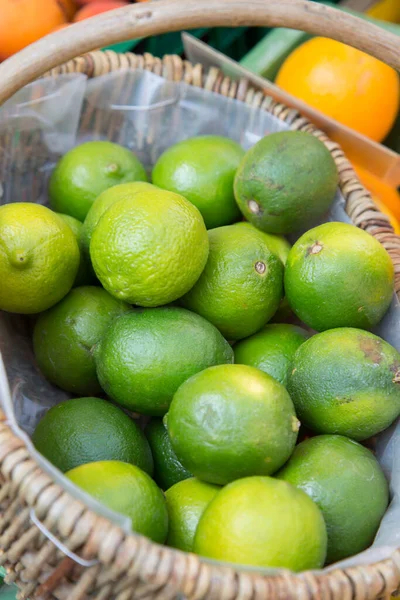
(22, 22)
(95, 8)
(385, 197)
(343, 83)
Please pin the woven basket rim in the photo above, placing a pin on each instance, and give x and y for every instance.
(122, 560)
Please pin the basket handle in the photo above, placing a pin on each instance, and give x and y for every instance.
(140, 20)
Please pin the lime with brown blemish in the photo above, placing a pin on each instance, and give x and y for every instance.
(232, 421)
(339, 276)
(346, 381)
(286, 182)
(241, 286)
(86, 171)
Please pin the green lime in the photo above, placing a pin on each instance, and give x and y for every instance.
(345, 480)
(232, 421)
(143, 359)
(86, 171)
(85, 274)
(84, 430)
(277, 244)
(263, 522)
(202, 169)
(101, 204)
(167, 468)
(241, 285)
(39, 258)
(286, 181)
(346, 381)
(271, 349)
(149, 249)
(186, 502)
(339, 276)
(126, 489)
(64, 337)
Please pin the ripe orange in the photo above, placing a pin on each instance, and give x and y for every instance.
(22, 22)
(95, 8)
(345, 84)
(385, 197)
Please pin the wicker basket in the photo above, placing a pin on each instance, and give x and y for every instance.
(51, 544)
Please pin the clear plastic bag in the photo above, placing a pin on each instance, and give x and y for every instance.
(146, 114)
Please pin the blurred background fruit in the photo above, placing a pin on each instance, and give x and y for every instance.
(348, 85)
(25, 21)
(95, 8)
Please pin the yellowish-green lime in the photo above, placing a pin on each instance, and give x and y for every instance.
(39, 258)
(202, 169)
(86, 171)
(149, 249)
(102, 203)
(263, 522)
(128, 490)
(186, 502)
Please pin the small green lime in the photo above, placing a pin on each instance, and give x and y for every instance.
(232, 421)
(64, 337)
(339, 276)
(85, 274)
(143, 359)
(86, 171)
(346, 381)
(286, 181)
(167, 469)
(272, 349)
(83, 430)
(126, 489)
(202, 169)
(39, 258)
(345, 480)
(186, 502)
(263, 522)
(150, 248)
(241, 285)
